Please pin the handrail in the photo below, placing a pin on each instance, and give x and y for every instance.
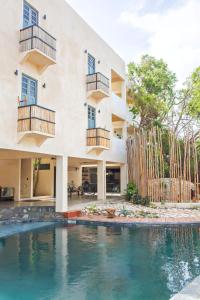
(35, 25)
(98, 80)
(36, 118)
(28, 105)
(37, 37)
(98, 128)
(98, 136)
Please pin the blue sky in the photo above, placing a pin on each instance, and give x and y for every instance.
(167, 29)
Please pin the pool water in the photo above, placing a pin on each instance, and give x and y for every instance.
(95, 263)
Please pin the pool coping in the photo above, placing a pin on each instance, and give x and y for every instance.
(190, 291)
(121, 221)
(13, 229)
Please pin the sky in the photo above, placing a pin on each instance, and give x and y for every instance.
(168, 29)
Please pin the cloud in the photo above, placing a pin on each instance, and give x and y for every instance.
(173, 34)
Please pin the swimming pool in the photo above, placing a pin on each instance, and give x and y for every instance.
(95, 263)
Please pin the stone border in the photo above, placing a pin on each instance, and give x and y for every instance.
(30, 214)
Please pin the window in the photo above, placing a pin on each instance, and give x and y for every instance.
(91, 117)
(44, 167)
(30, 15)
(91, 64)
(29, 91)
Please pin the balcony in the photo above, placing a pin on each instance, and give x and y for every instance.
(98, 139)
(39, 47)
(97, 86)
(119, 107)
(118, 149)
(36, 120)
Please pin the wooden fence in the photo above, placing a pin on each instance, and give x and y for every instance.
(164, 167)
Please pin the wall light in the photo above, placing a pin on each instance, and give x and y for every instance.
(85, 51)
(45, 17)
(44, 85)
(16, 72)
(85, 104)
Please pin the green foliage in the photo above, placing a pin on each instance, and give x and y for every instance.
(194, 86)
(131, 191)
(151, 88)
(124, 212)
(133, 195)
(92, 209)
(144, 201)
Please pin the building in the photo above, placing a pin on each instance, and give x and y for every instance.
(63, 102)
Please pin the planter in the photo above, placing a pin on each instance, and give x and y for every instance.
(110, 213)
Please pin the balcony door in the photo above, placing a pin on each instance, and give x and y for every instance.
(91, 117)
(29, 91)
(30, 15)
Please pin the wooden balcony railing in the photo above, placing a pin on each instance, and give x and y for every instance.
(98, 137)
(97, 82)
(34, 37)
(35, 118)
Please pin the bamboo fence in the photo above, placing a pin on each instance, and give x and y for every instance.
(171, 177)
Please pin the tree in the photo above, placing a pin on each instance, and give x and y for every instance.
(36, 170)
(186, 110)
(152, 91)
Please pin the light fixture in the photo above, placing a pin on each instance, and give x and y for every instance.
(85, 51)
(44, 85)
(45, 17)
(99, 62)
(85, 104)
(99, 111)
(16, 72)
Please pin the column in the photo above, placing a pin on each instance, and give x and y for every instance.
(18, 181)
(123, 178)
(101, 180)
(31, 176)
(61, 184)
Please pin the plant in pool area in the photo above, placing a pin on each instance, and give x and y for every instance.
(124, 212)
(133, 195)
(138, 200)
(131, 191)
(152, 205)
(92, 209)
(144, 214)
(162, 202)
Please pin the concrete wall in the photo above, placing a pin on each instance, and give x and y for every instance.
(26, 182)
(65, 90)
(45, 186)
(9, 175)
(75, 176)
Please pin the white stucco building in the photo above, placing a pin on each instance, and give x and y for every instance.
(63, 100)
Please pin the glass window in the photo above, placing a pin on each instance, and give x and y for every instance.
(30, 15)
(91, 64)
(91, 117)
(29, 91)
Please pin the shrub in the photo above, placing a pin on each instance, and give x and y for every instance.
(131, 191)
(133, 196)
(124, 212)
(144, 201)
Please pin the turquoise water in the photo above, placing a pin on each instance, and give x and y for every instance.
(94, 263)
